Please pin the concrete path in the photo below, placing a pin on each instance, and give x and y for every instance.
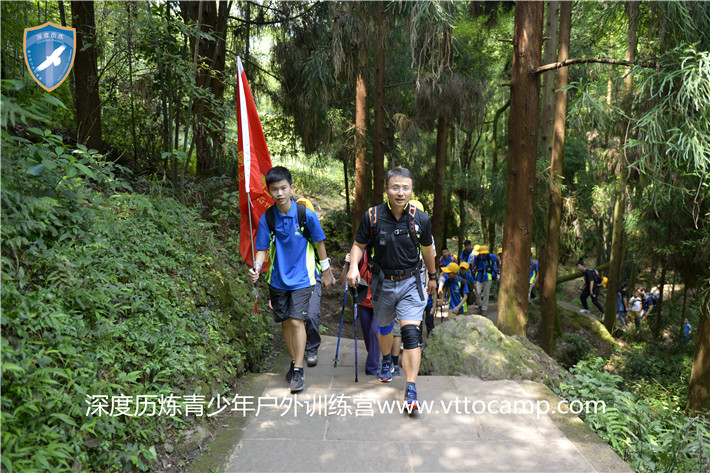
(336, 424)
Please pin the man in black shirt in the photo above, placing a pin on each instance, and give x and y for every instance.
(397, 237)
(590, 288)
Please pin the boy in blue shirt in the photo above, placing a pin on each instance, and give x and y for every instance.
(456, 287)
(292, 271)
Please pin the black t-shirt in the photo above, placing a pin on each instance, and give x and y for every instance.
(589, 276)
(399, 251)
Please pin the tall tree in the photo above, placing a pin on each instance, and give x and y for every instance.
(550, 260)
(520, 174)
(552, 17)
(699, 392)
(617, 239)
(86, 75)
(211, 21)
(378, 146)
(361, 182)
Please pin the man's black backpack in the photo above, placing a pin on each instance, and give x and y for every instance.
(302, 227)
(598, 280)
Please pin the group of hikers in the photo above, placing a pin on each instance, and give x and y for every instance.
(392, 260)
(392, 264)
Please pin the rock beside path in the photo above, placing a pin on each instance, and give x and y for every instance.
(470, 345)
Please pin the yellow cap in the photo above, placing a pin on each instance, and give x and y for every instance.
(306, 202)
(417, 204)
(463, 265)
(484, 249)
(451, 268)
(500, 250)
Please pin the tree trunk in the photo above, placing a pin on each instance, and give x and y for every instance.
(699, 392)
(523, 126)
(209, 133)
(494, 165)
(548, 78)
(86, 75)
(63, 20)
(548, 301)
(617, 241)
(347, 186)
(378, 147)
(616, 260)
(361, 184)
(439, 213)
(657, 314)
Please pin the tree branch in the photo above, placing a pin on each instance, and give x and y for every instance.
(602, 60)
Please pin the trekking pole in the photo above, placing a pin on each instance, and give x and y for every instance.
(355, 317)
(340, 330)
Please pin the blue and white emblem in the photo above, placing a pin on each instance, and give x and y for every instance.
(49, 53)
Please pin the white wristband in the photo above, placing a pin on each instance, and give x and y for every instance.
(325, 264)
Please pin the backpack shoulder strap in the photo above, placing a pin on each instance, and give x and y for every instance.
(302, 221)
(271, 221)
(411, 224)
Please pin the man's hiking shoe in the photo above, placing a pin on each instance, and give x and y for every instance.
(312, 360)
(297, 381)
(386, 372)
(410, 398)
(584, 311)
(289, 373)
(395, 370)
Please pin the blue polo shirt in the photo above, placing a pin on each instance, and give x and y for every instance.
(456, 288)
(534, 268)
(293, 259)
(485, 269)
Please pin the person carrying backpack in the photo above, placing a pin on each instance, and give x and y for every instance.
(485, 272)
(592, 284)
(397, 236)
(292, 270)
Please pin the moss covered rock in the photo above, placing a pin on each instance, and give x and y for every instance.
(472, 346)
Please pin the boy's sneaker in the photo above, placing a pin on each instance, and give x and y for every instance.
(297, 381)
(386, 372)
(584, 311)
(312, 360)
(410, 398)
(289, 373)
(395, 370)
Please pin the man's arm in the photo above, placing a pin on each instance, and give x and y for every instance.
(428, 254)
(356, 253)
(327, 278)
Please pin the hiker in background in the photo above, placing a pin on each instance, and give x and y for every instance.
(592, 283)
(635, 308)
(446, 258)
(366, 317)
(398, 236)
(485, 272)
(292, 253)
(534, 271)
(454, 289)
(466, 253)
(648, 303)
(468, 278)
(313, 318)
(622, 303)
(687, 330)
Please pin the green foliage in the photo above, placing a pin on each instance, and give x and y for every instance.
(578, 347)
(107, 293)
(650, 435)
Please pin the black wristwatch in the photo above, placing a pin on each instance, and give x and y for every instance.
(432, 275)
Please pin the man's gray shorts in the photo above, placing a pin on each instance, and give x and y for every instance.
(399, 299)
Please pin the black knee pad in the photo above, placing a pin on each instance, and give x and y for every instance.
(410, 336)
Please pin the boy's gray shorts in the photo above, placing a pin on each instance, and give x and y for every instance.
(399, 299)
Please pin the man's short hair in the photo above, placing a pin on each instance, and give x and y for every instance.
(399, 172)
(278, 173)
(580, 262)
(466, 242)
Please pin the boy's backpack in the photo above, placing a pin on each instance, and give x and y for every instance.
(598, 281)
(302, 227)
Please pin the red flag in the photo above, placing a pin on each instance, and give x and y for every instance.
(254, 161)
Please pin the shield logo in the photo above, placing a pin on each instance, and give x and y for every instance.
(49, 53)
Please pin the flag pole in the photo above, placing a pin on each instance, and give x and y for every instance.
(253, 258)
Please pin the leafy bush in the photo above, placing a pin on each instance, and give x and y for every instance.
(107, 293)
(650, 436)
